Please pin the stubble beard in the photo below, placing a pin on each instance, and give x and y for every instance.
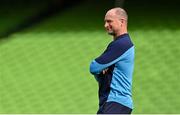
(112, 33)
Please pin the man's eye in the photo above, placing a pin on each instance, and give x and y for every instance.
(109, 21)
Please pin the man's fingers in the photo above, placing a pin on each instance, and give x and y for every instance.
(105, 71)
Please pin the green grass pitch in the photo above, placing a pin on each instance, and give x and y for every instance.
(45, 69)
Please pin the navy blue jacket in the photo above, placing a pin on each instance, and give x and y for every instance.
(116, 84)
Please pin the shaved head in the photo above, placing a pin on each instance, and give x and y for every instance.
(118, 12)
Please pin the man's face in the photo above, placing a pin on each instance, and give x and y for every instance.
(112, 23)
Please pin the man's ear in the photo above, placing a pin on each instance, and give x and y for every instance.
(122, 20)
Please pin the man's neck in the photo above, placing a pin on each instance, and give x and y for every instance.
(117, 35)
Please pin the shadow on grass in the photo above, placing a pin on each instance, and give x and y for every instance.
(52, 9)
(89, 16)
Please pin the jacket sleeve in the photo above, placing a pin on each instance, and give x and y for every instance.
(111, 55)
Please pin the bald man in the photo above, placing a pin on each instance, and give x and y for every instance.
(113, 69)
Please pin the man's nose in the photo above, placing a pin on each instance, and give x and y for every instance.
(105, 25)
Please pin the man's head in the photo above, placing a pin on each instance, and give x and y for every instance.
(116, 21)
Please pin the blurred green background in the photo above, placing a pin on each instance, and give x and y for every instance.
(44, 68)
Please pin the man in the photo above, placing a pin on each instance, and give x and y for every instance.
(113, 69)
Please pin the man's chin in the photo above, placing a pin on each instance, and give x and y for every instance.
(111, 33)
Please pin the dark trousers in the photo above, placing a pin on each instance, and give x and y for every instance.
(114, 108)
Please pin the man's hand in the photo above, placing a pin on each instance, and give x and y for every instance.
(105, 71)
